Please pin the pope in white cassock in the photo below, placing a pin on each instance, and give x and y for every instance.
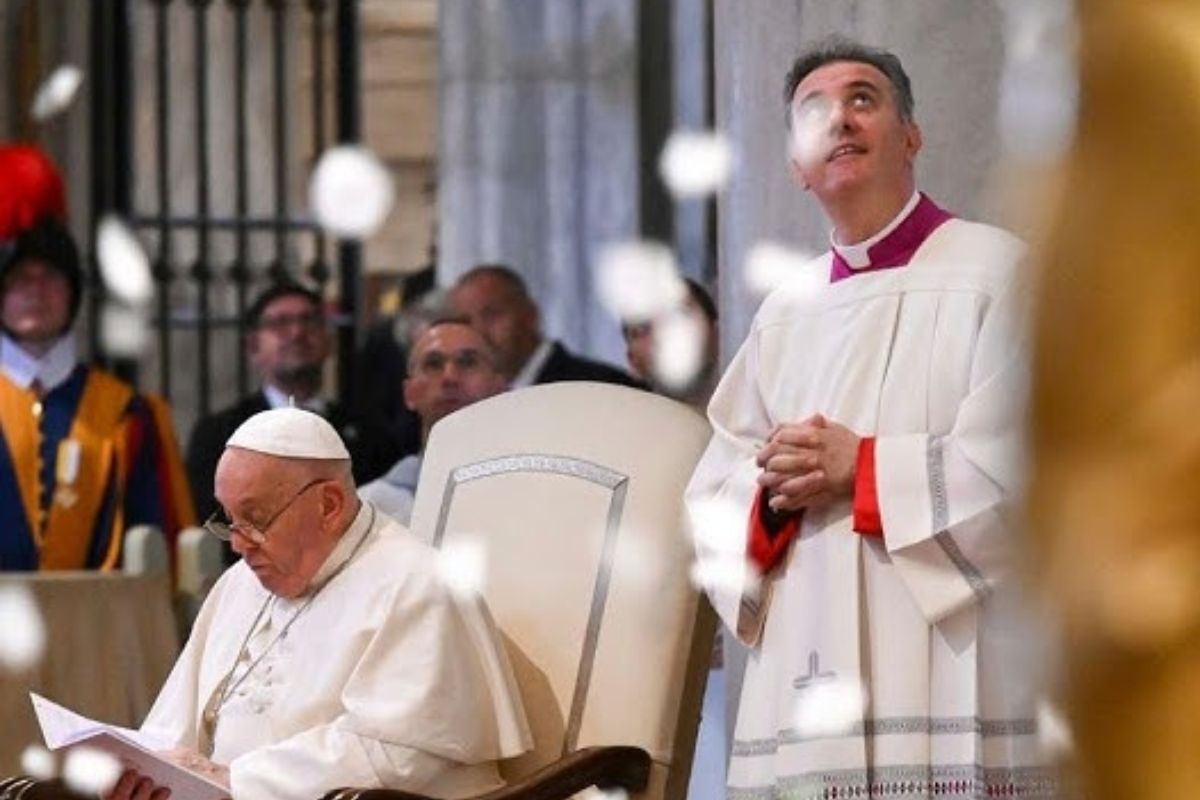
(870, 428)
(331, 654)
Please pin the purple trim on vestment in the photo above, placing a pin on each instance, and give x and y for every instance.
(895, 249)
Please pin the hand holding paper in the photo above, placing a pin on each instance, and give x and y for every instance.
(187, 775)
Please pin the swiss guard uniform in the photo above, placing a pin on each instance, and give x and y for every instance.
(83, 456)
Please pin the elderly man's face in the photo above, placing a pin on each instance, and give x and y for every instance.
(291, 340)
(37, 301)
(508, 321)
(274, 498)
(848, 134)
(450, 367)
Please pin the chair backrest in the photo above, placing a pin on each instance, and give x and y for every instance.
(144, 551)
(575, 490)
(199, 563)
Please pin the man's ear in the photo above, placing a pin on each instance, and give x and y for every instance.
(406, 393)
(914, 141)
(333, 501)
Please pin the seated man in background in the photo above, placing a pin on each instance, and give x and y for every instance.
(451, 366)
(287, 344)
(495, 300)
(84, 456)
(331, 655)
(643, 348)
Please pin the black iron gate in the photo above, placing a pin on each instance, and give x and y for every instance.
(119, 28)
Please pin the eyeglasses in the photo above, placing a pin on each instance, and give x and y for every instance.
(434, 363)
(221, 526)
(277, 324)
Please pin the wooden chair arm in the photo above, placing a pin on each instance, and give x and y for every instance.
(625, 768)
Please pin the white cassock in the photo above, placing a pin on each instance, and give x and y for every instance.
(383, 680)
(929, 358)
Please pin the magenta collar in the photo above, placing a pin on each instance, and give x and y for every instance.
(897, 248)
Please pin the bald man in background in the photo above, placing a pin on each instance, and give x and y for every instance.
(451, 366)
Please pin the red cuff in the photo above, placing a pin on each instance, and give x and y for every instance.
(867, 520)
(769, 534)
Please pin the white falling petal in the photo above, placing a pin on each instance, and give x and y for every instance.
(638, 281)
(22, 632)
(462, 565)
(124, 265)
(829, 707)
(56, 92)
(38, 762)
(350, 192)
(770, 265)
(810, 134)
(1054, 734)
(695, 164)
(718, 526)
(725, 574)
(594, 793)
(90, 771)
(679, 342)
(124, 331)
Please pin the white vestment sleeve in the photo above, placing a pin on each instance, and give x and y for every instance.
(722, 490)
(943, 499)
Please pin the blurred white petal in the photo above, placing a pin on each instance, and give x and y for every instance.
(638, 281)
(90, 771)
(810, 134)
(124, 266)
(694, 164)
(124, 331)
(829, 707)
(56, 92)
(1054, 734)
(22, 632)
(679, 341)
(727, 575)
(462, 565)
(593, 793)
(38, 762)
(719, 526)
(770, 265)
(644, 559)
(351, 192)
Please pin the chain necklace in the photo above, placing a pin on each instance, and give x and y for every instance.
(227, 685)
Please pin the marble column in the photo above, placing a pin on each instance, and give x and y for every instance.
(539, 154)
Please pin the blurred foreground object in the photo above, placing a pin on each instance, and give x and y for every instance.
(1117, 386)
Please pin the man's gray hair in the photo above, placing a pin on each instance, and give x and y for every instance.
(835, 48)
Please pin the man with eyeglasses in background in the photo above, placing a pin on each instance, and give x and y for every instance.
(332, 654)
(451, 366)
(287, 344)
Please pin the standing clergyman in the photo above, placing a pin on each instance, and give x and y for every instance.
(869, 429)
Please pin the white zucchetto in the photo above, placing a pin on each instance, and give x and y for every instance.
(290, 433)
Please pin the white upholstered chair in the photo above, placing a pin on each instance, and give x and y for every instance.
(575, 492)
(199, 563)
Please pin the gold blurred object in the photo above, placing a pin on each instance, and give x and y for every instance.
(1115, 495)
